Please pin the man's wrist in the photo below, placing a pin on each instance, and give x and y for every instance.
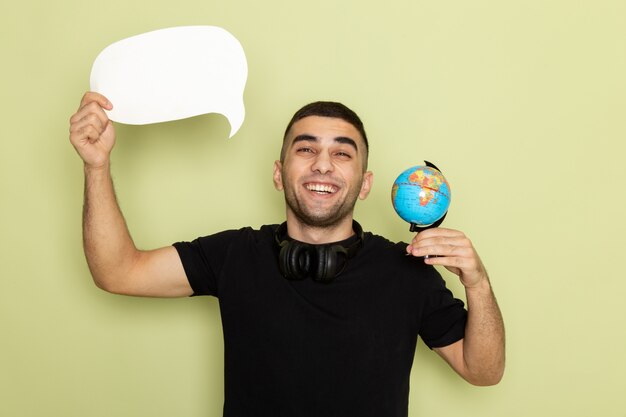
(482, 285)
(95, 168)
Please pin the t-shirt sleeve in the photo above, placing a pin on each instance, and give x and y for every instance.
(202, 260)
(444, 317)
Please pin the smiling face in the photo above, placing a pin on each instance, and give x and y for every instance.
(322, 173)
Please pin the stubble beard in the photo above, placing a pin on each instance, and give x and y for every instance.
(321, 217)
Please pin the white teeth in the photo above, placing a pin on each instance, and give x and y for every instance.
(321, 188)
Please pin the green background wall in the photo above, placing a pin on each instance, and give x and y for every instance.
(522, 104)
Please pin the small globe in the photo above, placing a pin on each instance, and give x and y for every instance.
(421, 196)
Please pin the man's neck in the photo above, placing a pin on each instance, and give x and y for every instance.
(319, 235)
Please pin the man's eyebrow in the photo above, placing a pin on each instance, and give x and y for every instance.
(339, 139)
(347, 141)
(305, 137)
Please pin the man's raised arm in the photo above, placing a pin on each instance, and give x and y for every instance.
(480, 356)
(115, 263)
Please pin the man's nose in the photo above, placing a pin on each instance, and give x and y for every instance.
(322, 163)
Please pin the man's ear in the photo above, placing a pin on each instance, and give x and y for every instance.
(278, 175)
(366, 186)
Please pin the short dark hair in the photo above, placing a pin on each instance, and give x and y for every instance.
(327, 109)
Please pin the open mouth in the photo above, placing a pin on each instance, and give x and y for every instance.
(321, 188)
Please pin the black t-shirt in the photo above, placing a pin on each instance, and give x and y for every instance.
(304, 348)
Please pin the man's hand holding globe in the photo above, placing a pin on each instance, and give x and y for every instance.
(421, 196)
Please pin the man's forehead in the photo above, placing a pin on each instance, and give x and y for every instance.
(322, 127)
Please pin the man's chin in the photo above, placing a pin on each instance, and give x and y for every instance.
(322, 220)
(319, 216)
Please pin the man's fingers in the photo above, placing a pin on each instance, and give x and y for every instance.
(90, 110)
(451, 249)
(449, 261)
(89, 128)
(442, 249)
(440, 231)
(85, 132)
(444, 243)
(92, 107)
(461, 241)
(90, 119)
(91, 97)
(437, 233)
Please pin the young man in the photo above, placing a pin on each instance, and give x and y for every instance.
(319, 318)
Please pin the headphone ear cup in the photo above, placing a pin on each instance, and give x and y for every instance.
(295, 260)
(321, 264)
(283, 259)
(327, 263)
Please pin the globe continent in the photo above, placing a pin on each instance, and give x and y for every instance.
(421, 195)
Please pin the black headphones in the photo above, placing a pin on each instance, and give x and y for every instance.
(322, 263)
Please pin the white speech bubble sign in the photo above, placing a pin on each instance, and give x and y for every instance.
(172, 74)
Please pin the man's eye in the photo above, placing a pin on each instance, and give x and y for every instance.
(342, 154)
(305, 150)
